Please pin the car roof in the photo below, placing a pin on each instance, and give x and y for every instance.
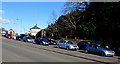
(95, 44)
(64, 40)
(8, 34)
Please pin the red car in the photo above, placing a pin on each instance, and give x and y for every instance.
(9, 36)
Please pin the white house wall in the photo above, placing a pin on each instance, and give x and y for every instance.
(34, 31)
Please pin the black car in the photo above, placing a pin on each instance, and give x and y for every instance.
(42, 41)
(27, 39)
(20, 37)
(51, 41)
(17, 37)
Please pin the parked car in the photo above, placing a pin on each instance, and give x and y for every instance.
(67, 44)
(14, 37)
(51, 41)
(20, 37)
(42, 41)
(9, 36)
(97, 48)
(27, 39)
(117, 50)
(3, 34)
(17, 37)
(83, 44)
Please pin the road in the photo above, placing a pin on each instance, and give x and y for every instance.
(17, 51)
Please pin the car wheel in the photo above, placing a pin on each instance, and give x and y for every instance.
(36, 42)
(58, 46)
(67, 48)
(21, 40)
(86, 51)
(102, 53)
(27, 41)
(42, 43)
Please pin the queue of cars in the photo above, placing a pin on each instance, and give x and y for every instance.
(95, 48)
(87, 46)
(7, 35)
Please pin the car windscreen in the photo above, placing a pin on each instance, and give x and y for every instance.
(9, 35)
(45, 40)
(69, 42)
(52, 40)
(29, 38)
(105, 47)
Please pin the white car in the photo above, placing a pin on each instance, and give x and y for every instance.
(14, 37)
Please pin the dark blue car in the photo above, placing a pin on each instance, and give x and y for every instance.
(27, 39)
(20, 37)
(17, 37)
(42, 41)
(83, 44)
(51, 41)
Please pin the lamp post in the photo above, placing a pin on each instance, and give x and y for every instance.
(15, 29)
(21, 24)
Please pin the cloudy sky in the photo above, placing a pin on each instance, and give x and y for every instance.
(2, 20)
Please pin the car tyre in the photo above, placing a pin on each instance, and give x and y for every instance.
(86, 51)
(27, 41)
(67, 48)
(102, 53)
(21, 40)
(40, 43)
(59, 46)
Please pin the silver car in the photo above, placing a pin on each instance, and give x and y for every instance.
(67, 44)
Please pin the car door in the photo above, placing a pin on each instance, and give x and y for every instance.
(60, 43)
(95, 48)
(84, 44)
(23, 38)
(65, 44)
(91, 48)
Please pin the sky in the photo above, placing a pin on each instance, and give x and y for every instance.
(21, 16)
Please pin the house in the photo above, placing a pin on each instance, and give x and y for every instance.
(34, 30)
(2, 30)
(41, 33)
(11, 31)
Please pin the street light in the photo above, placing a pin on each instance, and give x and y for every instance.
(21, 24)
(15, 28)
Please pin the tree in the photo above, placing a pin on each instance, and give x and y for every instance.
(52, 18)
